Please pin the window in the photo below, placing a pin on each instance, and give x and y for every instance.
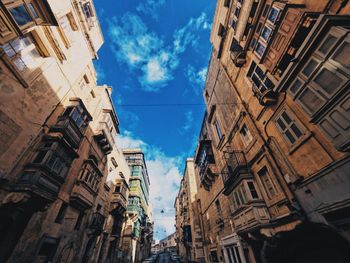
(218, 208)
(47, 249)
(21, 15)
(266, 33)
(88, 10)
(79, 116)
(246, 135)
(267, 182)
(237, 11)
(310, 67)
(221, 31)
(260, 49)
(117, 189)
(79, 220)
(259, 78)
(67, 30)
(274, 15)
(114, 162)
(252, 190)
(296, 86)
(90, 176)
(23, 53)
(233, 254)
(54, 157)
(288, 127)
(227, 3)
(218, 130)
(61, 213)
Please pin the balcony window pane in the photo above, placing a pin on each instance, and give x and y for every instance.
(342, 55)
(310, 67)
(310, 100)
(19, 63)
(252, 190)
(32, 10)
(40, 156)
(328, 81)
(327, 44)
(21, 15)
(295, 87)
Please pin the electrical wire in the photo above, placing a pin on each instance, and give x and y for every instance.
(172, 104)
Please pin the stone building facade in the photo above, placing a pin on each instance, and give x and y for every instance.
(274, 144)
(168, 243)
(188, 229)
(57, 130)
(138, 231)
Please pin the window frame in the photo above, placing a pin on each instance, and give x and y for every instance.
(288, 127)
(243, 138)
(218, 130)
(264, 171)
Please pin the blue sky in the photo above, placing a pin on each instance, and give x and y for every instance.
(157, 52)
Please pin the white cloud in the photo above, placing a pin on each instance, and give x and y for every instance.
(165, 177)
(149, 7)
(189, 121)
(196, 77)
(141, 50)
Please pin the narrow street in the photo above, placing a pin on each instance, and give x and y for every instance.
(164, 258)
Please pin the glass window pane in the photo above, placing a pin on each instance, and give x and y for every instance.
(33, 11)
(327, 44)
(252, 190)
(21, 15)
(19, 64)
(328, 81)
(342, 55)
(295, 87)
(310, 100)
(273, 14)
(10, 52)
(286, 118)
(290, 137)
(296, 130)
(266, 33)
(307, 71)
(281, 124)
(260, 49)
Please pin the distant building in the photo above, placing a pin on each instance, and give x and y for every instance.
(187, 219)
(168, 244)
(138, 231)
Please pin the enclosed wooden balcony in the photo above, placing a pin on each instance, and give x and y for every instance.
(69, 130)
(251, 217)
(46, 173)
(118, 203)
(235, 170)
(205, 162)
(86, 186)
(104, 138)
